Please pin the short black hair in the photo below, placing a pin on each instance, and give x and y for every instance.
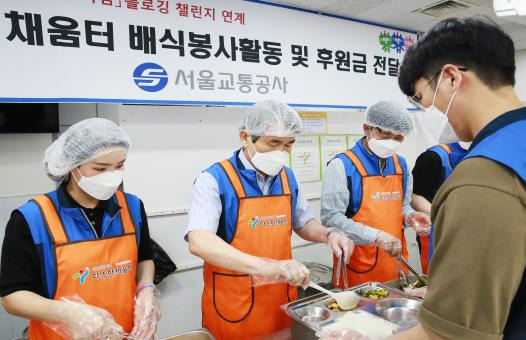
(477, 43)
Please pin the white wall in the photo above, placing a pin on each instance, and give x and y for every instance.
(21, 176)
(520, 75)
(21, 166)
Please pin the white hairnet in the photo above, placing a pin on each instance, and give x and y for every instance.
(390, 116)
(271, 118)
(81, 143)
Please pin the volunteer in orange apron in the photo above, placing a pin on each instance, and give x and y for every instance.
(77, 261)
(367, 192)
(431, 170)
(242, 214)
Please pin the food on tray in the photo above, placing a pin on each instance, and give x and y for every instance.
(412, 282)
(376, 293)
(364, 323)
(333, 305)
(346, 300)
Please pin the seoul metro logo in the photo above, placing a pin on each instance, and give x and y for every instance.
(150, 77)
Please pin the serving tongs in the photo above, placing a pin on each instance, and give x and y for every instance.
(412, 270)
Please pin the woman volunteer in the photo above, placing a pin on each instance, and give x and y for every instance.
(85, 239)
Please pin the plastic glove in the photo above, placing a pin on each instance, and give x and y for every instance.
(418, 292)
(340, 243)
(147, 312)
(295, 273)
(78, 320)
(272, 271)
(389, 243)
(418, 221)
(341, 335)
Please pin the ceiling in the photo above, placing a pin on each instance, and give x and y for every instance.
(407, 13)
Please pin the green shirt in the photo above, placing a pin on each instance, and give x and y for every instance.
(479, 258)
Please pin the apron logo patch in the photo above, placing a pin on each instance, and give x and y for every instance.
(268, 221)
(108, 271)
(81, 275)
(386, 196)
(253, 222)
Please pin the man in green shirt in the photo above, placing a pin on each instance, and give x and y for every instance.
(462, 74)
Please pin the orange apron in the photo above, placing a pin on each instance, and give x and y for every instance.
(424, 253)
(101, 271)
(232, 307)
(381, 208)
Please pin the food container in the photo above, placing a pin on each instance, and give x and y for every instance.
(312, 313)
(400, 311)
(320, 274)
(198, 334)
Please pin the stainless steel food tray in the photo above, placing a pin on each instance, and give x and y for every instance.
(311, 313)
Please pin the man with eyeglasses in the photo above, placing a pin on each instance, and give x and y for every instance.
(366, 194)
(462, 73)
(433, 166)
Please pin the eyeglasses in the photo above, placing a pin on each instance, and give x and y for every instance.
(417, 102)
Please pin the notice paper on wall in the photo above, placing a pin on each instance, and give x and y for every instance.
(331, 145)
(314, 122)
(352, 139)
(305, 158)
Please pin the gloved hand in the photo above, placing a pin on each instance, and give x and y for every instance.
(272, 271)
(147, 312)
(78, 320)
(389, 243)
(339, 243)
(418, 221)
(341, 335)
(418, 292)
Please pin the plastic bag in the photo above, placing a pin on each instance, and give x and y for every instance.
(164, 265)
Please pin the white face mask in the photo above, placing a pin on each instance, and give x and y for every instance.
(271, 162)
(383, 148)
(436, 122)
(101, 186)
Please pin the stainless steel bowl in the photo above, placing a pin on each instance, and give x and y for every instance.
(402, 312)
(312, 314)
(400, 315)
(198, 334)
